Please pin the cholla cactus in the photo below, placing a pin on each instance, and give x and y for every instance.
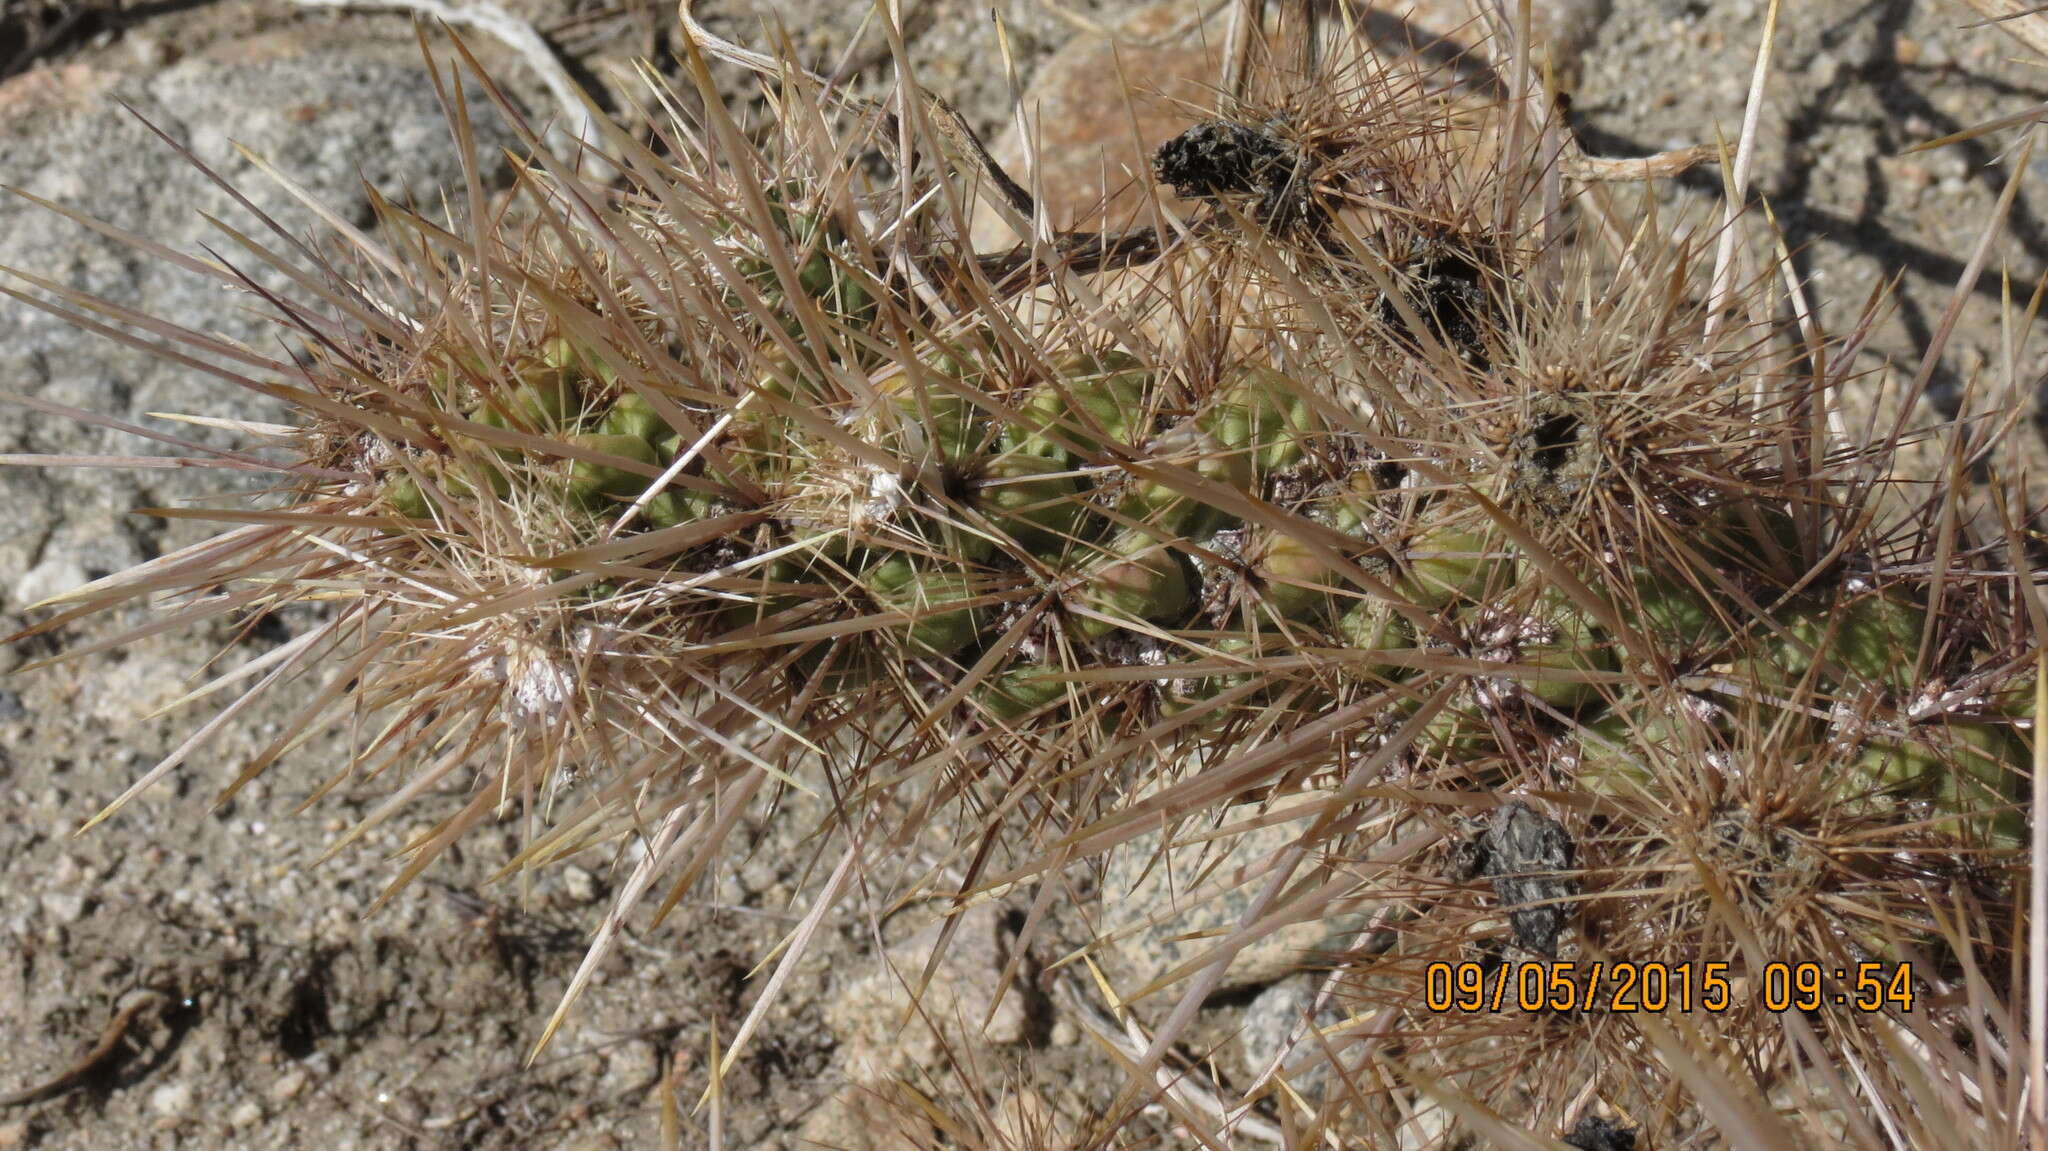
(1372, 478)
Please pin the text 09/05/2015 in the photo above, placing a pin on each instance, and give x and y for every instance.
(1663, 987)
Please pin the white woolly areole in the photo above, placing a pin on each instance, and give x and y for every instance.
(539, 685)
(885, 495)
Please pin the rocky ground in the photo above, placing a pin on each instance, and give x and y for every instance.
(295, 1014)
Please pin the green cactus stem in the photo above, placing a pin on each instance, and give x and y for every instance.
(1033, 500)
(1017, 692)
(1449, 565)
(558, 353)
(1875, 639)
(544, 399)
(1573, 643)
(1351, 506)
(1294, 584)
(1156, 501)
(1372, 625)
(935, 631)
(1136, 580)
(402, 494)
(591, 483)
(1261, 411)
(931, 415)
(1618, 749)
(1678, 617)
(1089, 402)
(632, 415)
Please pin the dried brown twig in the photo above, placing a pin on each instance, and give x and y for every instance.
(72, 1076)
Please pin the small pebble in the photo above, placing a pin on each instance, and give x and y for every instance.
(151, 51)
(401, 1106)
(172, 1099)
(64, 906)
(246, 1114)
(58, 573)
(68, 872)
(580, 885)
(1912, 177)
(758, 875)
(288, 1086)
(631, 1066)
(1269, 1020)
(1823, 68)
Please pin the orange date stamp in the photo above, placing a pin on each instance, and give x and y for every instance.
(1663, 987)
